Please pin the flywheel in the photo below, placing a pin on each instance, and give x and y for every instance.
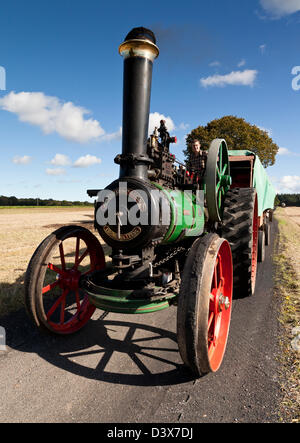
(217, 178)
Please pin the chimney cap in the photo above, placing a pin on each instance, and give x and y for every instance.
(141, 34)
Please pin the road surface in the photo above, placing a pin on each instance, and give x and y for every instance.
(128, 369)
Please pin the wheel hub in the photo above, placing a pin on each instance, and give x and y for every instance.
(70, 279)
(224, 303)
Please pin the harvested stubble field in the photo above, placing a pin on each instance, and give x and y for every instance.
(287, 287)
(21, 231)
(294, 214)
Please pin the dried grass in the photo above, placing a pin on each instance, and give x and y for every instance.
(21, 231)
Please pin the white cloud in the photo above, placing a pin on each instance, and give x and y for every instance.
(268, 131)
(215, 64)
(244, 78)
(53, 115)
(279, 8)
(21, 160)
(55, 171)
(183, 126)
(60, 160)
(154, 121)
(87, 160)
(242, 63)
(283, 151)
(113, 136)
(289, 184)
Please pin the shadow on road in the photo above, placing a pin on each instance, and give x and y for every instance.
(111, 351)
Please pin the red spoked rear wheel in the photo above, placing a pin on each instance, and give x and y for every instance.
(54, 298)
(204, 304)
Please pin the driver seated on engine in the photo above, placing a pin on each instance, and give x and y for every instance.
(197, 162)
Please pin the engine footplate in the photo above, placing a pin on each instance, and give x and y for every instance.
(127, 297)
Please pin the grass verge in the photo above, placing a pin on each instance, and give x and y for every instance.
(287, 287)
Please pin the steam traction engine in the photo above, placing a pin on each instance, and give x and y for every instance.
(172, 233)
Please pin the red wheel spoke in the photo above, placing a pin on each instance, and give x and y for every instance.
(62, 311)
(211, 317)
(211, 339)
(62, 256)
(55, 268)
(56, 304)
(83, 256)
(49, 287)
(78, 301)
(77, 252)
(215, 279)
(211, 344)
(212, 303)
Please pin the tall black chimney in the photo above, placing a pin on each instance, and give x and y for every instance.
(139, 51)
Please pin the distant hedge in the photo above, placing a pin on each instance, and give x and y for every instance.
(288, 199)
(14, 201)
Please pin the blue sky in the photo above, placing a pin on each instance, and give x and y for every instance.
(61, 110)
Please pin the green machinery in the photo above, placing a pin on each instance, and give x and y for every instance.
(170, 235)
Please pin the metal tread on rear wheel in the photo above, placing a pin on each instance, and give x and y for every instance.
(240, 228)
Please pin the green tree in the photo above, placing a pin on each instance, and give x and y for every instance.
(238, 134)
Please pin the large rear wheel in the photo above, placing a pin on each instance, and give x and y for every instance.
(53, 297)
(204, 304)
(240, 228)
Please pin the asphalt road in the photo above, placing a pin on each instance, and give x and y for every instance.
(128, 369)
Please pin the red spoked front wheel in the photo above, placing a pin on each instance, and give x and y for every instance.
(204, 304)
(54, 298)
(220, 306)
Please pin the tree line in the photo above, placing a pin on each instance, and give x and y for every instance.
(288, 199)
(14, 201)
